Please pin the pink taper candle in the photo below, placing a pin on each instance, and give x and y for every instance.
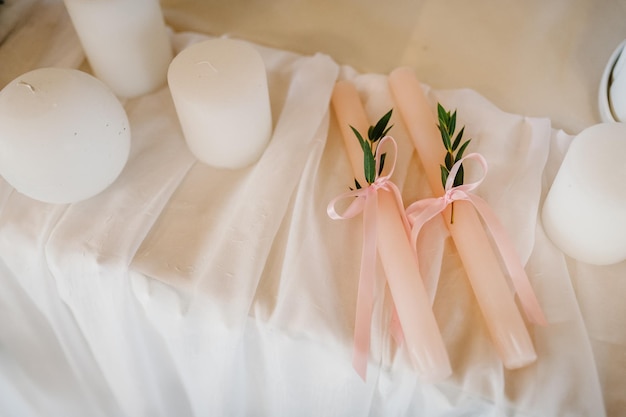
(421, 334)
(483, 269)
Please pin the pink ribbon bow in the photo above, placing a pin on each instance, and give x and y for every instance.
(366, 201)
(420, 212)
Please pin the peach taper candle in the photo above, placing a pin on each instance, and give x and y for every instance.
(421, 334)
(502, 317)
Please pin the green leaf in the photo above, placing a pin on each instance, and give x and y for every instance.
(369, 165)
(358, 136)
(457, 140)
(460, 176)
(459, 154)
(382, 163)
(452, 124)
(449, 160)
(444, 175)
(441, 114)
(386, 130)
(444, 136)
(370, 133)
(378, 130)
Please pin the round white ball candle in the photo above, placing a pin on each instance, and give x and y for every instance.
(64, 135)
(584, 211)
(125, 41)
(220, 92)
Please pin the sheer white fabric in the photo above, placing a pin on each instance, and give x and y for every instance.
(186, 290)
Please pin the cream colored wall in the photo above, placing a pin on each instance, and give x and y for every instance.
(537, 57)
(532, 57)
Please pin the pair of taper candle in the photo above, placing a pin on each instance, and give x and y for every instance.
(502, 317)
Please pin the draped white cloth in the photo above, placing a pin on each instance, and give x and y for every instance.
(190, 291)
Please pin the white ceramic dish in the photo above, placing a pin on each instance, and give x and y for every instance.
(604, 99)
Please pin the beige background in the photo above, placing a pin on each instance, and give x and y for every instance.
(536, 58)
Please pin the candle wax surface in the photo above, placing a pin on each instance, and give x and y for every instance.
(422, 336)
(64, 136)
(584, 211)
(503, 319)
(220, 92)
(126, 42)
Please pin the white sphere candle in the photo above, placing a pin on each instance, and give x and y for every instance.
(219, 88)
(125, 41)
(64, 136)
(584, 211)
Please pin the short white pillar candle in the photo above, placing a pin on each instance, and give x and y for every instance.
(584, 211)
(125, 41)
(64, 135)
(219, 88)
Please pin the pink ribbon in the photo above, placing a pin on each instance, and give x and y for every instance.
(366, 202)
(420, 212)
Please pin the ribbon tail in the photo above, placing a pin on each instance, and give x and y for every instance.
(420, 213)
(430, 247)
(365, 295)
(520, 280)
(396, 326)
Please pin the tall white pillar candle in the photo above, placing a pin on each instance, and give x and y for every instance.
(64, 136)
(584, 210)
(219, 87)
(125, 41)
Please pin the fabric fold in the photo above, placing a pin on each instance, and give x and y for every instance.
(210, 246)
(184, 290)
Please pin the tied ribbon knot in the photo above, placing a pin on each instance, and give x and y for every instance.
(365, 200)
(421, 211)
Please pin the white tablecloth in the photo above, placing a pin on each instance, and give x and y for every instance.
(185, 290)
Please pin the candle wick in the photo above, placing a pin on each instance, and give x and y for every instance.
(27, 85)
(209, 64)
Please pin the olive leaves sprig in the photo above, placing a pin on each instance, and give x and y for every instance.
(374, 134)
(455, 148)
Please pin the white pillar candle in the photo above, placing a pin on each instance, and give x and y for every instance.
(584, 210)
(219, 87)
(64, 136)
(125, 41)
